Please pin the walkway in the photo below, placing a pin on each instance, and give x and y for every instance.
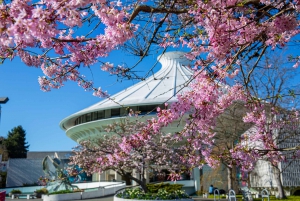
(111, 198)
(107, 198)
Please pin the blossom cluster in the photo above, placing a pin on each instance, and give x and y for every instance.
(49, 25)
(68, 35)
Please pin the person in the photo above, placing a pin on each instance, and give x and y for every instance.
(211, 189)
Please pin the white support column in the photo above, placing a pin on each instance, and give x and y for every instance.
(102, 176)
(147, 176)
(95, 177)
(118, 177)
(136, 175)
(146, 173)
(196, 176)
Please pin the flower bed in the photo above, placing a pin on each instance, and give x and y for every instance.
(162, 194)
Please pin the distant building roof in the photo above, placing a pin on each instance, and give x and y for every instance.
(22, 171)
(43, 154)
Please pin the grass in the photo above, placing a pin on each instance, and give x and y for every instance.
(290, 198)
(272, 198)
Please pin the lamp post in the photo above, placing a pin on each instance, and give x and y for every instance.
(3, 100)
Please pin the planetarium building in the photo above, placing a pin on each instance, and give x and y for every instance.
(145, 96)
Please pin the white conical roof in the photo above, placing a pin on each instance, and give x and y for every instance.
(161, 87)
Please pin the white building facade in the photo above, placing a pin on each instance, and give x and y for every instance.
(263, 175)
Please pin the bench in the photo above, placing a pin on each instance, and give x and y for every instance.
(28, 196)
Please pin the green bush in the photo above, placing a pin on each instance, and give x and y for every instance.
(78, 190)
(162, 194)
(61, 192)
(30, 184)
(153, 188)
(16, 191)
(42, 191)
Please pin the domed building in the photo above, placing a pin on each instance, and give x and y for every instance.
(145, 96)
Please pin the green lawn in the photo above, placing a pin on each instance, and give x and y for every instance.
(239, 198)
(290, 198)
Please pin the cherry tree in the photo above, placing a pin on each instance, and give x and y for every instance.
(130, 152)
(61, 37)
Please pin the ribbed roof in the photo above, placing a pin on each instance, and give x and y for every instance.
(161, 87)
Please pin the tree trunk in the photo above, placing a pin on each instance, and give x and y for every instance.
(141, 182)
(248, 180)
(281, 194)
(229, 178)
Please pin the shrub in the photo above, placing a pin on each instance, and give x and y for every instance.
(162, 194)
(30, 184)
(78, 190)
(61, 192)
(42, 191)
(16, 191)
(153, 188)
(199, 192)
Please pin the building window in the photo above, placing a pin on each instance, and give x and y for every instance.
(101, 114)
(88, 117)
(83, 119)
(94, 116)
(144, 109)
(115, 112)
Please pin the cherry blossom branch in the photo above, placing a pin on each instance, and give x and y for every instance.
(149, 9)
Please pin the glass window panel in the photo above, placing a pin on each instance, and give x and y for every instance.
(88, 117)
(144, 109)
(101, 114)
(95, 115)
(115, 112)
(83, 119)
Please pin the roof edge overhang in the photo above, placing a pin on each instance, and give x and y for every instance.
(177, 56)
(84, 111)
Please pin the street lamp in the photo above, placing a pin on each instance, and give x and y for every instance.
(3, 100)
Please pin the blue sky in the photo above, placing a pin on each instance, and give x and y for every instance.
(40, 112)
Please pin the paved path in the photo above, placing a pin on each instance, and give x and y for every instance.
(111, 198)
(106, 198)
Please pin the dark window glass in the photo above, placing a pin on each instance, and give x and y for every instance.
(144, 109)
(101, 114)
(115, 112)
(94, 116)
(88, 117)
(83, 119)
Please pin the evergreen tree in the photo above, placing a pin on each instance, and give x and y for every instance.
(16, 143)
